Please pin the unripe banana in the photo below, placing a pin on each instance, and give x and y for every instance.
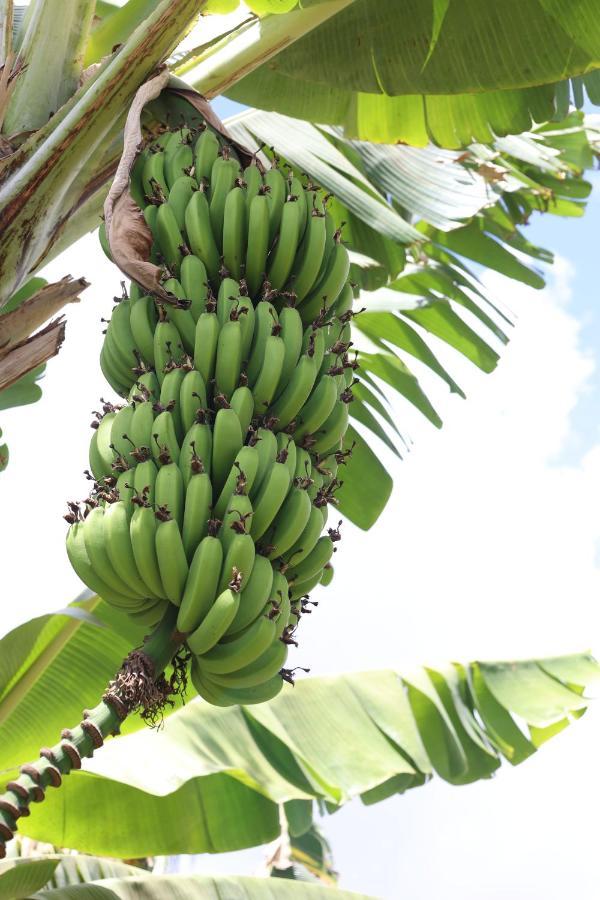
(291, 334)
(296, 393)
(205, 345)
(307, 540)
(168, 237)
(334, 428)
(119, 549)
(142, 530)
(282, 257)
(172, 561)
(215, 623)
(265, 386)
(266, 320)
(222, 179)
(205, 153)
(243, 472)
(290, 522)
(265, 667)
(275, 182)
(266, 445)
(229, 358)
(80, 561)
(241, 650)
(169, 491)
(199, 233)
(142, 320)
(170, 391)
(192, 397)
(179, 158)
(181, 318)
(198, 500)
(243, 403)
(254, 182)
(326, 291)
(254, 596)
(179, 197)
(318, 407)
(239, 555)
(168, 348)
(201, 585)
(144, 480)
(196, 451)
(234, 231)
(258, 243)
(227, 440)
(153, 177)
(227, 696)
(228, 299)
(95, 546)
(269, 499)
(313, 563)
(194, 282)
(309, 257)
(165, 447)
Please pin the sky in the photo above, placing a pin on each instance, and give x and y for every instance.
(489, 548)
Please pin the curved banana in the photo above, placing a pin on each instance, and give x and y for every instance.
(215, 623)
(201, 585)
(172, 561)
(235, 231)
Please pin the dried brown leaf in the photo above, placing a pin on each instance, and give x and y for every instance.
(17, 325)
(32, 353)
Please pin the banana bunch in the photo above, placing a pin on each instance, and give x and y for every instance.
(211, 483)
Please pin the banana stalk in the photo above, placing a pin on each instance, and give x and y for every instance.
(139, 685)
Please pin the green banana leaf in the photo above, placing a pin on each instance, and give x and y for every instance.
(212, 779)
(22, 876)
(203, 887)
(428, 70)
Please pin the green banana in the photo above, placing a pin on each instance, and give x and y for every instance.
(229, 358)
(234, 231)
(168, 348)
(242, 402)
(205, 345)
(327, 576)
(200, 236)
(334, 428)
(266, 445)
(282, 257)
(144, 480)
(296, 393)
(198, 500)
(258, 243)
(170, 391)
(179, 197)
(245, 467)
(169, 491)
(223, 175)
(205, 153)
(228, 299)
(119, 549)
(327, 290)
(172, 561)
(307, 540)
(242, 650)
(121, 426)
(307, 263)
(269, 499)
(165, 447)
(275, 182)
(192, 397)
(196, 450)
(254, 596)
(254, 182)
(181, 318)
(239, 555)
(168, 237)
(104, 441)
(95, 546)
(258, 672)
(303, 588)
(142, 531)
(201, 585)
(178, 160)
(153, 177)
(142, 321)
(290, 522)
(291, 334)
(194, 283)
(227, 440)
(218, 695)
(215, 623)
(81, 564)
(318, 407)
(266, 320)
(265, 386)
(313, 563)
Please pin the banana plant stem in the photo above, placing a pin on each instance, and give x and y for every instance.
(139, 684)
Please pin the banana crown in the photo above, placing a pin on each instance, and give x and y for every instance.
(212, 481)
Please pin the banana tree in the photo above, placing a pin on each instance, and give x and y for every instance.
(335, 62)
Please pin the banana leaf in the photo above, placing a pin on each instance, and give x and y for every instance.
(213, 779)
